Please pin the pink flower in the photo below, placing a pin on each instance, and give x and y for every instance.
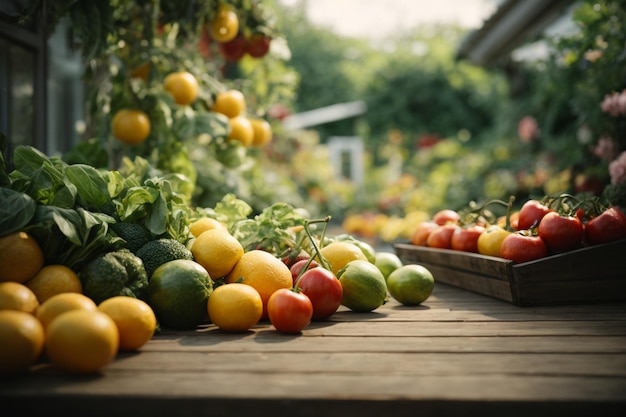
(606, 148)
(614, 104)
(528, 129)
(617, 169)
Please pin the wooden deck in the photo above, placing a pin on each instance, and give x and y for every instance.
(459, 354)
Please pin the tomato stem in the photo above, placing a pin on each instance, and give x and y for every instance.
(323, 261)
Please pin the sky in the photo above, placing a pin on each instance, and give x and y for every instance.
(376, 19)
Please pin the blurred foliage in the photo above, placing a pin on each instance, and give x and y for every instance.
(438, 133)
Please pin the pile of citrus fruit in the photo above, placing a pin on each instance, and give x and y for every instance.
(46, 318)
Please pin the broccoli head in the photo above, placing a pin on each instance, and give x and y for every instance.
(115, 273)
(159, 251)
(136, 235)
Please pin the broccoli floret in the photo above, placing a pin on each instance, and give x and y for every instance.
(159, 251)
(136, 235)
(115, 273)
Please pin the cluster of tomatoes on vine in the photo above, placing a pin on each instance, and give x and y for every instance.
(541, 227)
(238, 32)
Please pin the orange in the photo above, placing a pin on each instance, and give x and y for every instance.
(217, 251)
(490, 241)
(130, 126)
(21, 257)
(262, 271)
(411, 284)
(225, 26)
(134, 318)
(339, 253)
(183, 86)
(52, 280)
(241, 130)
(16, 296)
(235, 307)
(62, 303)
(141, 71)
(22, 340)
(230, 103)
(203, 224)
(82, 341)
(262, 132)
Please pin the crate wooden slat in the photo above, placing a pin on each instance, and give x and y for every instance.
(592, 274)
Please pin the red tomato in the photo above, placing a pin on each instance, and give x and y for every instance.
(289, 311)
(441, 236)
(466, 238)
(323, 289)
(421, 232)
(560, 233)
(233, 50)
(294, 256)
(608, 226)
(258, 45)
(522, 246)
(446, 216)
(297, 267)
(531, 214)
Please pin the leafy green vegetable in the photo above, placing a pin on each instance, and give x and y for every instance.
(114, 273)
(157, 252)
(270, 230)
(16, 210)
(71, 237)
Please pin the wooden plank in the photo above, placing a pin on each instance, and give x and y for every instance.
(265, 341)
(378, 363)
(194, 406)
(284, 386)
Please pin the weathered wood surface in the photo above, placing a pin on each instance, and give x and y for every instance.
(459, 354)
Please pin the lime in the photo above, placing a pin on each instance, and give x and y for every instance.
(387, 262)
(178, 293)
(363, 285)
(411, 284)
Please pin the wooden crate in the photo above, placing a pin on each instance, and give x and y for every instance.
(583, 276)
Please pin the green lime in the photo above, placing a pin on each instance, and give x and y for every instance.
(387, 262)
(363, 285)
(411, 284)
(178, 293)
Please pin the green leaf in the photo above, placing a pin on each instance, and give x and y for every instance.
(92, 189)
(16, 211)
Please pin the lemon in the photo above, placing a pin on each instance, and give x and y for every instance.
(203, 224)
(21, 340)
(82, 341)
(16, 296)
(264, 272)
(134, 318)
(21, 257)
(411, 284)
(52, 280)
(235, 307)
(59, 304)
(339, 253)
(217, 251)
